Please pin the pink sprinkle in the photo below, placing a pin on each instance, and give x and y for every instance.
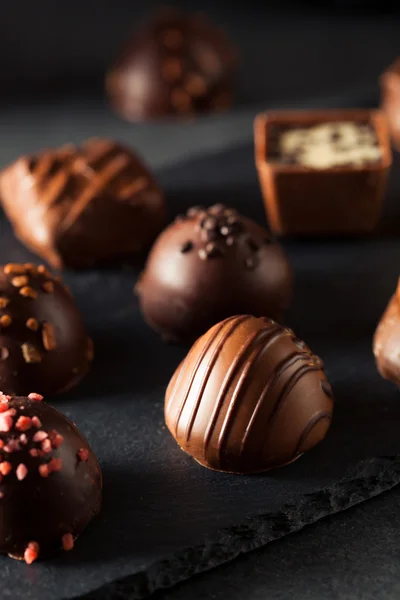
(23, 439)
(4, 397)
(55, 438)
(1, 444)
(35, 397)
(40, 436)
(6, 422)
(12, 446)
(83, 454)
(31, 553)
(46, 445)
(3, 407)
(67, 542)
(34, 452)
(21, 472)
(23, 423)
(36, 422)
(55, 464)
(5, 467)
(12, 412)
(44, 470)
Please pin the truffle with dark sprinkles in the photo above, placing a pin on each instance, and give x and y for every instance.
(209, 265)
(177, 65)
(247, 398)
(43, 342)
(47, 495)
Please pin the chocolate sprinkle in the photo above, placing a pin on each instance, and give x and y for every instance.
(187, 247)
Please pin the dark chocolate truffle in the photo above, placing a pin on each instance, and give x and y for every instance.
(43, 342)
(50, 480)
(80, 206)
(209, 265)
(386, 343)
(249, 397)
(178, 65)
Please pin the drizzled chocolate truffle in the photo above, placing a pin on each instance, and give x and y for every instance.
(386, 344)
(82, 206)
(250, 396)
(50, 480)
(43, 342)
(208, 265)
(178, 65)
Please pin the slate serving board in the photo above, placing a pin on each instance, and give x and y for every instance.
(164, 517)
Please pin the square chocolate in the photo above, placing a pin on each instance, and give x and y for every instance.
(322, 172)
(390, 95)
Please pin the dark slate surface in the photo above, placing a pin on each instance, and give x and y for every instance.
(166, 518)
(351, 556)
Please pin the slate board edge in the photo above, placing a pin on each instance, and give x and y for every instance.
(364, 480)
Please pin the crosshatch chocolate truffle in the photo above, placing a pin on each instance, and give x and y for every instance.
(80, 206)
(50, 480)
(43, 342)
(178, 65)
(386, 344)
(390, 93)
(249, 396)
(208, 265)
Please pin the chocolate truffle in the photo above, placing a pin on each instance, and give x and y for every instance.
(50, 480)
(178, 65)
(209, 265)
(386, 344)
(43, 342)
(323, 172)
(80, 206)
(248, 397)
(390, 94)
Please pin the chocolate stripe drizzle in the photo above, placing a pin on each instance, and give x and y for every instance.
(319, 416)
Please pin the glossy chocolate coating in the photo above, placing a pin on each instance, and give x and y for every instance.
(248, 397)
(209, 265)
(386, 344)
(57, 491)
(178, 65)
(390, 95)
(81, 206)
(43, 342)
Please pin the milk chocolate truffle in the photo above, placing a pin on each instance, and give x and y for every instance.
(249, 397)
(386, 343)
(81, 206)
(390, 93)
(209, 265)
(43, 342)
(50, 480)
(177, 65)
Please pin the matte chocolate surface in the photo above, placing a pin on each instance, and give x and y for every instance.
(43, 342)
(210, 264)
(325, 191)
(50, 480)
(176, 66)
(387, 340)
(390, 95)
(248, 397)
(80, 206)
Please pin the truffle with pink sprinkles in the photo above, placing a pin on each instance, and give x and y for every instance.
(50, 480)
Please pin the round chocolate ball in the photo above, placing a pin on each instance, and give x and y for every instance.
(43, 342)
(248, 397)
(209, 265)
(178, 65)
(50, 480)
